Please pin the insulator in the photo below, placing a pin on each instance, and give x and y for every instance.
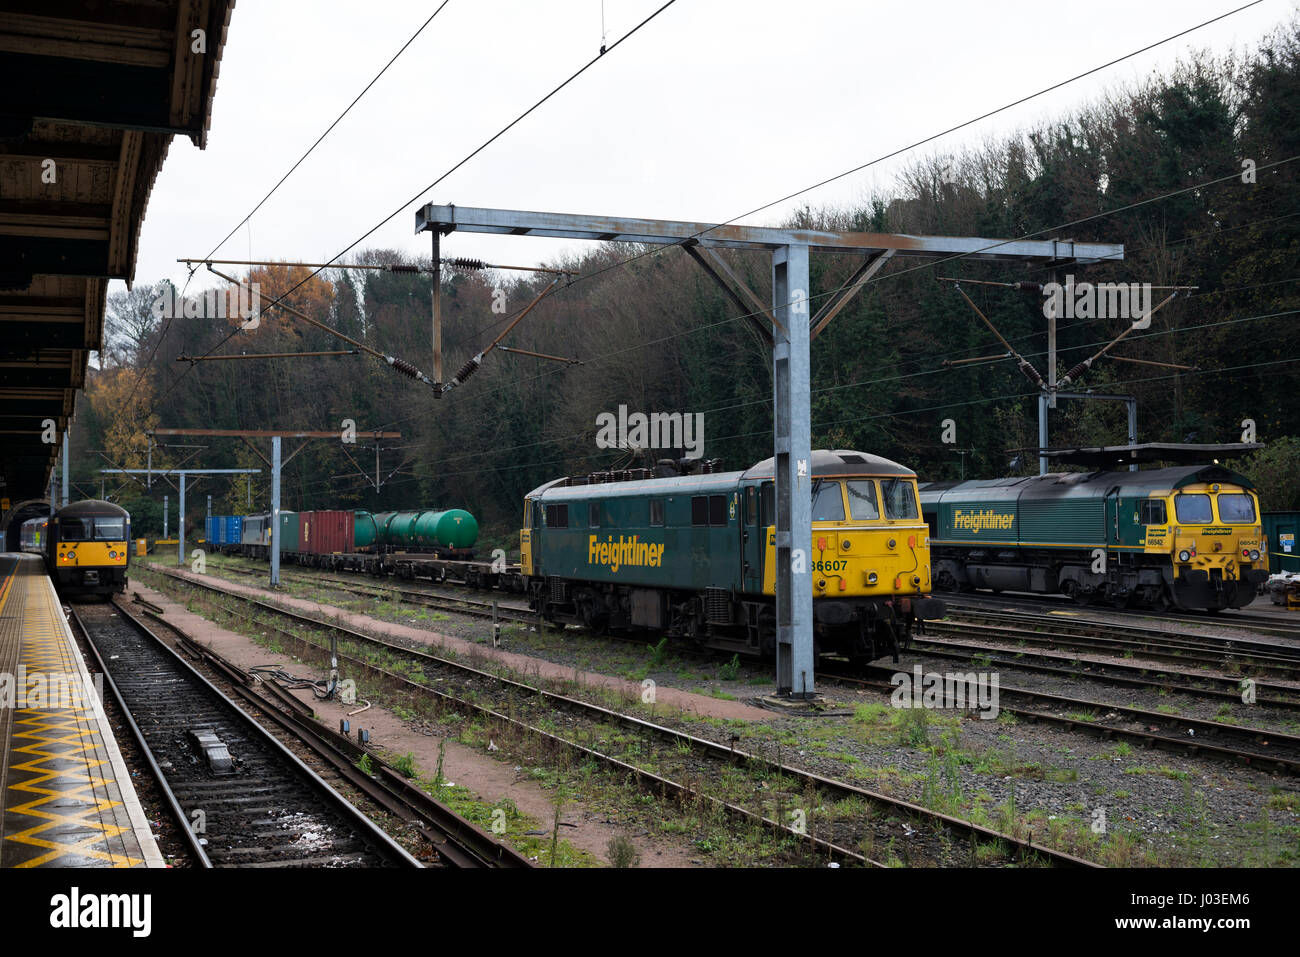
(468, 369)
(402, 267)
(1028, 286)
(404, 367)
(1030, 373)
(1078, 370)
(459, 263)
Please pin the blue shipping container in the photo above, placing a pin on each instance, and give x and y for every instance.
(234, 528)
(212, 529)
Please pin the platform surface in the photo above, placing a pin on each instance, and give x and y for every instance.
(66, 797)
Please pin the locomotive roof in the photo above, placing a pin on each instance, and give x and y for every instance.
(1086, 484)
(828, 462)
(92, 507)
(825, 463)
(711, 481)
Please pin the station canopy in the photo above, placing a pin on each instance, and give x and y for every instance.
(93, 94)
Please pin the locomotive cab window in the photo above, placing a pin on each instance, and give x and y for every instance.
(827, 502)
(1236, 509)
(656, 511)
(76, 529)
(593, 514)
(1154, 512)
(110, 529)
(862, 501)
(1193, 509)
(768, 509)
(900, 498)
(751, 506)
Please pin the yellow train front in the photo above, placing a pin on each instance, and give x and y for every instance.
(86, 548)
(694, 555)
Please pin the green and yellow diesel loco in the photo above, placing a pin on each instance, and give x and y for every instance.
(1188, 537)
(85, 548)
(693, 555)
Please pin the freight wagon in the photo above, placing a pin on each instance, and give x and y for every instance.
(354, 539)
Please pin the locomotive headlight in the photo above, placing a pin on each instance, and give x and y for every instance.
(1184, 556)
(872, 578)
(112, 556)
(845, 545)
(892, 543)
(1254, 554)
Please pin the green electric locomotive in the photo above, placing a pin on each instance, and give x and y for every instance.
(695, 555)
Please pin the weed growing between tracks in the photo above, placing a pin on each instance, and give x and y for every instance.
(570, 778)
(925, 757)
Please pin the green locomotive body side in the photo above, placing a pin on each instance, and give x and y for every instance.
(605, 533)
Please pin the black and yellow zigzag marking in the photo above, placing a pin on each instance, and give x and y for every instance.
(54, 755)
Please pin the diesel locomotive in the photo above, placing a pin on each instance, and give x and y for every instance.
(1188, 537)
(694, 555)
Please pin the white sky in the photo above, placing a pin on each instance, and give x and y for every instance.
(712, 109)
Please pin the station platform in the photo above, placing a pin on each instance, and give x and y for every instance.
(66, 797)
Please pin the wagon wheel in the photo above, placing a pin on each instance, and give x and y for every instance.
(1074, 592)
(595, 619)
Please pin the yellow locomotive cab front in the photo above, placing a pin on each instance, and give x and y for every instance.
(868, 540)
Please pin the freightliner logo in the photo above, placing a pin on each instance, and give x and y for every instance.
(978, 521)
(625, 551)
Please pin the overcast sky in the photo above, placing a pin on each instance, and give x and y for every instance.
(714, 108)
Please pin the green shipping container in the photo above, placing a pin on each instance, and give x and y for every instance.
(1282, 529)
(288, 531)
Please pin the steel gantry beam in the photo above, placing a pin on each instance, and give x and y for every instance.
(790, 329)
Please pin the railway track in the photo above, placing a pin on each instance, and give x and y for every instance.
(1235, 618)
(1213, 687)
(1221, 688)
(506, 611)
(1267, 750)
(239, 796)
(1194, 736)
(1117, 640)
(662, 759)
(455, 841)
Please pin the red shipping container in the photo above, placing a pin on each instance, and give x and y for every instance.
(323, 533)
